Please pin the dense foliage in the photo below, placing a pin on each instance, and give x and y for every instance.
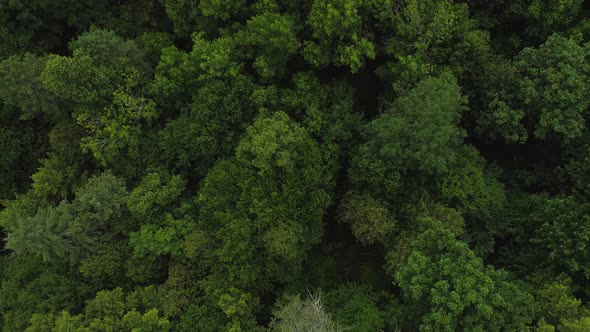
(313, 165)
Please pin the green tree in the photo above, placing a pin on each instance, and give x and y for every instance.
(16, 144)
(444, 280)
(105, 267)
(72, 229)
(264, 208)
(555, 84)
(108, 311)
(370, 219)
(30, 286)
(355, 306)
(549, 16)
(556, 301)
(104, 84)
(201, 318)
(419, 36)
(22, 88)
(577, 325)
(269, 39)
(552, 95)
(562, 231)
(211, 126)
(164, 221)
(327, 111)
(154, 194)
(416, 138)
(338, 35)
(548, 232)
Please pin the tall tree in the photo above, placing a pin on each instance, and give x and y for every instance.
(450, 286)
(72, 229)
(263, 209)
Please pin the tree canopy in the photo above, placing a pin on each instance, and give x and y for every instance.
(282, 165)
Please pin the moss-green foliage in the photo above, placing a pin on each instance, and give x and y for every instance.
(338, 35)
(263, 208)
(551, 95)
(415, 139)
(445, 280)
(294, 165)
(72, 229)
(355, 306)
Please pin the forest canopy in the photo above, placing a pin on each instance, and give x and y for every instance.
(282, 165)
